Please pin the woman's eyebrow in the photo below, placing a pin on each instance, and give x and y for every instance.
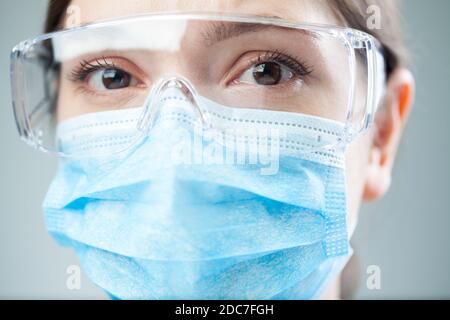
(221, 31)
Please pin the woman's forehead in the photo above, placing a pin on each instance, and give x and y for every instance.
(312, 11)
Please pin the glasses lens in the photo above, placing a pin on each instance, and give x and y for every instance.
(74, 77)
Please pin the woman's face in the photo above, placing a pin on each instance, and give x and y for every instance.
(328, 78)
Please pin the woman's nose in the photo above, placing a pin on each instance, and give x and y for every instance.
(171, 91)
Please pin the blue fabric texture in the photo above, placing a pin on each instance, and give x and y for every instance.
(146, 227)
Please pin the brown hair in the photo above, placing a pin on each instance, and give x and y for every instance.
(354, 13)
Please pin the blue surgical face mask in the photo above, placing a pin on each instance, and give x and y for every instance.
(185, 215)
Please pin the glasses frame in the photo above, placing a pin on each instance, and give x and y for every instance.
(352, 39)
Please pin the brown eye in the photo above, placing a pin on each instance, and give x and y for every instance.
(110, 79)
(267, 73)
(115, 79)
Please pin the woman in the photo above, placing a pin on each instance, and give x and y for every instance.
(214, 149)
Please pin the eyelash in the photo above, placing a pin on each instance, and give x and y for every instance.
(299, 67)
(86, 68)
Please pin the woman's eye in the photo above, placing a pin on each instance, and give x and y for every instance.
(110, 79)
(266, 74)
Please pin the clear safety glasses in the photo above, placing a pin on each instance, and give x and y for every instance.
(241, 62)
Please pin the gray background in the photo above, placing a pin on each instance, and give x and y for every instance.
(406, 234)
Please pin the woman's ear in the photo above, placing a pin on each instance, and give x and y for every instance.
(390, 121)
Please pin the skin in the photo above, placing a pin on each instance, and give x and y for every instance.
(370, 157)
